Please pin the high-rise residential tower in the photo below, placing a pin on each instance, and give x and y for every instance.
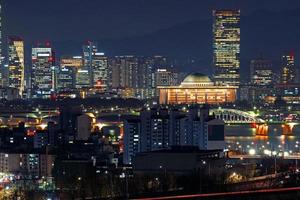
(226, 47)
(288, 70)
(16, 63)
(42, 78)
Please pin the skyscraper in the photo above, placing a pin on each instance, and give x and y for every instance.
(124, 71)
(89, 48)
(261, 72)
(16, 63)
(226, 47)
(100, 70)
(43, 62)
(288, 70)
(69, 69)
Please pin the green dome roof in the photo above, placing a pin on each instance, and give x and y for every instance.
(197, 78)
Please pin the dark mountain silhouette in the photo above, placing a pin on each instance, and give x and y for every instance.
(263, 32)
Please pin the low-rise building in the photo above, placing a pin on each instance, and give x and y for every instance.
(197, 89)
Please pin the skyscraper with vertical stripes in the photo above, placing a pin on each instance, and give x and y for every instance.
(226, 47)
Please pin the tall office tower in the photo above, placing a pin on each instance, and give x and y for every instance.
(261, 72)
(288, 70)
(16, 67)
(43, 62)
(124, 72)
(100, 70)
(226, 47)
(70, 67)
(65, 78)
(89, 48)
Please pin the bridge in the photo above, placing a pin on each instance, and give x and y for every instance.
(235, 116)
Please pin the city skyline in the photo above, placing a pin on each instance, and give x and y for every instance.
(191, 47)
(149, 99)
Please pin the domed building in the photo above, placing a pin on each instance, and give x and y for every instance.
(197, 88)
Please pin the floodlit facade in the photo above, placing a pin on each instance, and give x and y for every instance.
(226, 47)
(16, 63)
(197, 89)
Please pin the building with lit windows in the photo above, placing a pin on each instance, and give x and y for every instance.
(124, 71)
(42, 79)
(288, 70)
(100, 70)
(261, 72)
(69, 67)
(165, 77)
(65, 79)
(86, 72)
(160, 128)
(226, 47)
(16, 68)
(71, 61)
(139, 74)
(197, 89)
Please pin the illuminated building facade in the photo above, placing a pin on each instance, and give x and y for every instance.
(16, 68)
(42, 79)
(288, 70)
(226, 47)
(197, 89)
(87, 78)
(165, 77)
(100, 70)
(71, 61)
(261, 72)
(66, 78)
(69, 67)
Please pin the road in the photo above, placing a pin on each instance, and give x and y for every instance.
(224, 194)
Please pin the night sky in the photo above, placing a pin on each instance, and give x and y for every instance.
(178, 28)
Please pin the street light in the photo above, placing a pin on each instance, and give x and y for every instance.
(252, 152)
